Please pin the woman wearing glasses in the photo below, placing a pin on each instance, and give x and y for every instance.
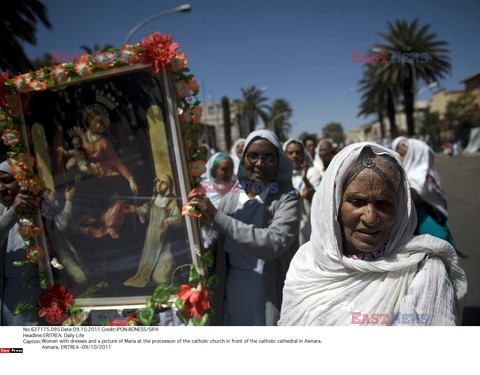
(256, 234)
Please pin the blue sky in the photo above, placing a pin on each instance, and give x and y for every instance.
(298, 50)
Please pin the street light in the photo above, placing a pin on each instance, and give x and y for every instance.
(181, 8)
(430, 86)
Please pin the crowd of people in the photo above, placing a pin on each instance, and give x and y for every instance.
(312, 235)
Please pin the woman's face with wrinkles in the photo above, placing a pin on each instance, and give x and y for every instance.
(367, 212)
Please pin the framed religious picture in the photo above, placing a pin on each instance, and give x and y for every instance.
(110, 151)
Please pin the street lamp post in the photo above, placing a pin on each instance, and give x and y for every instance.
(419, 92)
(181, 8)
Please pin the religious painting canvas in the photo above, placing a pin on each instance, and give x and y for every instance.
(111, 207)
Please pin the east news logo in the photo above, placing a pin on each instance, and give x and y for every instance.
(383, 57)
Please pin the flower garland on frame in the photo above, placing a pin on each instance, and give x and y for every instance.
(56, 303)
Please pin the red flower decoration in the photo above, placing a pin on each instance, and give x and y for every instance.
(59, 73)
(3, 79)
(35, 254)
(29, 231)
(34, 185)
(127, 321)
(178, 62)
(10, 137)
(197, 168)
(128, 55)
(159, 50)
(18, 172)
(55, 302)
(196, 301)
(26, 161)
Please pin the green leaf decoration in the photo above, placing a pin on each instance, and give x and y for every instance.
(145, 315)
(194, 277)
(150, 303)
(21, 307)
(20, 262)
(173, 289)
(200, 322)
(179, 304)
(207, 259)
(181, 315)
(161, 297)
(42, 280)
(212, 282)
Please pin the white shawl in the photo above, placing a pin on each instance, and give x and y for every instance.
(315, 173)
(323, 287)
(419, 165)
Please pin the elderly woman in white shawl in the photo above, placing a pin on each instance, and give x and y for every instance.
(363, 265)
(324, 154)
(301, 161)
(427, 192)
(236, 154)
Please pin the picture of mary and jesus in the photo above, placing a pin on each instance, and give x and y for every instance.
(111, 211)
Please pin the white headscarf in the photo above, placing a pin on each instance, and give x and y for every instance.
(323, 287)
(315, 173)
(6, 167)
(284, 168)
(235, 157)
(419, 165)
(397, 141)
(308, 157)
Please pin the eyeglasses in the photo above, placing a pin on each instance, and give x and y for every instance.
(266, 158)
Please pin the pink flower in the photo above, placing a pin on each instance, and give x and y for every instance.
(197, 168)
(158, 50)
(128, 55)
(197, 115)
(104, 60)
(178, 62)
(59, 73)
(10, 137)
(187, 115)
(21, 82)
(193, 84)
(182, 89)
(82, 69)
(37, 85)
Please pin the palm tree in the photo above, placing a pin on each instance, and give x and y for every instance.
(280, 113)
(379, 95)
(252, 106)
(96, 48)
(411, 38)
(18, 21)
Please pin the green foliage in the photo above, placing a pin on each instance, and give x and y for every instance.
(334, 131)
(431, 123)
(21, 307)
(278, 121)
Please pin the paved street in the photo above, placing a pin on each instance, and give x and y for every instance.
(460, 178)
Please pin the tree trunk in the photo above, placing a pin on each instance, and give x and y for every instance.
(226, 123)
(382, 125)
(391, 115)
(251, 123)
(409, 106)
